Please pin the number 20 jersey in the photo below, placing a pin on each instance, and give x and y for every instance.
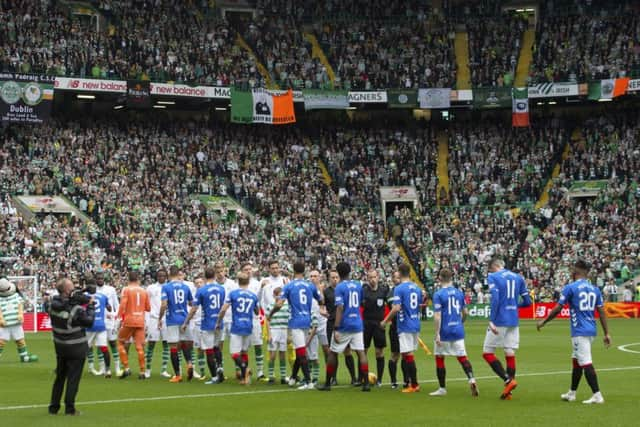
(582, 298)
(178, 295)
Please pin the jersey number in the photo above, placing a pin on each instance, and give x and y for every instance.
(214, 301)
(511, 289)
(587, 301)
(454, 304)
(244, 305)
(413, 301)
(302, 296)
(178, 296)
(98, 308)
(354, 300)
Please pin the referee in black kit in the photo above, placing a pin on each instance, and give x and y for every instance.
(71, 312)
(374, 297)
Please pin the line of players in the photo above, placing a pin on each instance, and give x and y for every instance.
(343, 317)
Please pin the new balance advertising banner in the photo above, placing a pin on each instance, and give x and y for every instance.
(551, 90)
(325, 100)
(434, 98)
(397, 98)
(138, 94)
(262, 106)
(25, 98)
(494, 97)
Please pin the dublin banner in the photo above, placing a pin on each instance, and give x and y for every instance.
(138, 94)
(493, 97)
(25, 98)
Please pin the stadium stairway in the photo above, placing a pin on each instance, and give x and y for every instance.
(524, 61)
(317, 52)
(442, 167)
(261, 68)
(326, 176)
(544, 196)
(414, 275)
(461, 44)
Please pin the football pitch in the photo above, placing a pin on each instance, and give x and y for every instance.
(543, 374)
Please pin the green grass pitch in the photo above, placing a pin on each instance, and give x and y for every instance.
(543, 374)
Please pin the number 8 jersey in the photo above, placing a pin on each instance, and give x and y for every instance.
(583, 298)
(409, 296)
(178, 295)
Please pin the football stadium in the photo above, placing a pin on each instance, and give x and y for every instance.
(319, 212)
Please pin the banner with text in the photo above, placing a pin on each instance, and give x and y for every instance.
(325, 100)
(368, 97)
(138, 94)
(493, 97)
(25, 98)
(634, 85)
(551, 90)
(435, 98)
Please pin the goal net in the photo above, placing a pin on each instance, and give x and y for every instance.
(29, 289)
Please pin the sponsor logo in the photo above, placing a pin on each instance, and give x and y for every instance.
(403, 99)
(32, 94)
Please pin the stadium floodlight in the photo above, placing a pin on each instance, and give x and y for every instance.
(605, 100)
(552, 102)
(352, 108)
(221, 109)
(159, 106)
(118, 107)
(166, 102)
(79, 96)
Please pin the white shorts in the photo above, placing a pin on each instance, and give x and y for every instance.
(256, 332)
(278, 340)
(113, 328)
(99, 339)
(175, 335)
(209, 339)
(507, 338)
(194, 332)
(582, 350)
(12, 333)
(450, 348)
(226, 331)
(153, 333)
(353, 339)
(312, 348)
(322, 335)
(408, 342)
(299, 338)
(239, 343)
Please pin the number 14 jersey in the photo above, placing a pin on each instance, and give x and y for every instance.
(449, 302)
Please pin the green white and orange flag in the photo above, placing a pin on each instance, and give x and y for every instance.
(519, 107)
(608, 89)
(262, 106)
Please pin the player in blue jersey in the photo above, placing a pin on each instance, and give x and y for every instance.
(299, 293)
(583, 299)
(407, 297)
(507, 288)
(97, 333)
(209, 298)
(176, 299)
(244, 305)
(449, 315)
(348, 327)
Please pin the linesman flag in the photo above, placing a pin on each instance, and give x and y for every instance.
(520, 107)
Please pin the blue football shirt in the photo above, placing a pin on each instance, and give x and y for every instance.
(408, 295)
(243, 303)
(300, 294)
(449, 302)
(178, 296)
(506, 288)
(210, 298)
(583, 298)
(101, 301)
(348, 294)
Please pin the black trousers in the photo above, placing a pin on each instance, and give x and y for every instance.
(69, 371)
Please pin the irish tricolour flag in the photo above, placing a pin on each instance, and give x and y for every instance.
(262, 106)
(520, 107)
(608, 89)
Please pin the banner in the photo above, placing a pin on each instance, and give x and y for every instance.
(43, 322)
(550, 90)
(91, 85)
(262, 106)
(493, 97)
(520, 108)
(434, 98)
(138, 94)
(373, 97)
(25, 98)
(325, 100)
(214, 92)
(608, 89)
(634, 85)
(397, 98)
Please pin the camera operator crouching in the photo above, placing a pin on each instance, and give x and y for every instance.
(71, 312)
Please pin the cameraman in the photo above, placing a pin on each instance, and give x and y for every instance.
(71, 312)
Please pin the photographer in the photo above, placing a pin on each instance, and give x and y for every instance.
(71, 312)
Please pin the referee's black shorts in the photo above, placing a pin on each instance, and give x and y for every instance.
(373, 331)
(394, 341)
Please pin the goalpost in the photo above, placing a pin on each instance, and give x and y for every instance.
(29, 287)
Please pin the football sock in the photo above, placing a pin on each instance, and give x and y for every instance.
(296, 367)
(412, 371)
(151, 345)
(592, 378)
(351, 366)
(201, 362)
(466, 366)
(393, 371)
(405, 372)
(101, 359)
(380, 367)
(495, 365)
(259, 358)
(175, 361)
(90, 357)
(511, 366)
(315, 370)
(364, 373)
(304, 364)
(441, 371)
(186, 352)
(104, 351)
(272, 368)
(218, 354)
(283, 367)
(23, 353)
(113, 345)
(331, 372)
(244, 358)
(211, 362)
(576, 375)
(165, 356)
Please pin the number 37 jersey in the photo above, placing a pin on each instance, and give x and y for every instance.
(408, 295)
(178, 296)
(449, 302)
(243, 304)
(583, 298)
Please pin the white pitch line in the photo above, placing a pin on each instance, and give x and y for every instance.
(288, 390)
(625, 349)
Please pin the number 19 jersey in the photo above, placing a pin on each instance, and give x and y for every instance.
(583, 298)
(178, 295)
(449, 302)
(408, 295)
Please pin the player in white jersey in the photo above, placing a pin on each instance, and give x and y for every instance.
(270, 283)
(229, 285)
(194, 331)
(153, 333)
(318, 336)
(256, 336)
(111, 321)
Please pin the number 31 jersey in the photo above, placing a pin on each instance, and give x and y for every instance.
(409, 296)
(583, 298)
(178, 296)
(449, 302)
